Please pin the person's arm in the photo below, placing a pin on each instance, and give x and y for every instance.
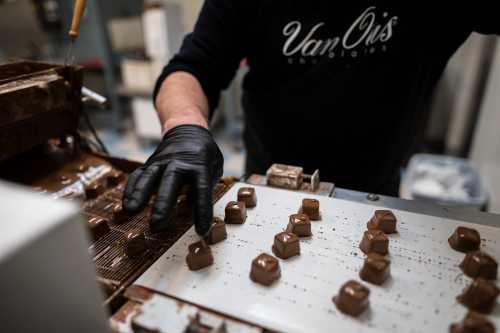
(185, 95)
(181, 101)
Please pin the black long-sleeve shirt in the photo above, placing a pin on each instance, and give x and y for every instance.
(341, 86)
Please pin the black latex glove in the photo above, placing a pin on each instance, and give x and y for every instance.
(188, 155)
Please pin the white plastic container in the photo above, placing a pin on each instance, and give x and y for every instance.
(444, 180)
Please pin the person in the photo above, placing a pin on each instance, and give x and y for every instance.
(339, 86)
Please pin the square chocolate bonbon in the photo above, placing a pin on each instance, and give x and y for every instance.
(473, 323)
(248, 196)
(374, 241)
(465, 240)
(480, 296)
(265, 269)
(300, 225)
(286, 245)
(98, 227)
(135, 243)
(236, 213)
(376, 269)
(479, 264)
(383, 220)
(310, 207)
(352, 299)
(217, 232)
(199, 256)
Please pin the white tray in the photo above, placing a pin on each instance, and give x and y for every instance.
(420, 296)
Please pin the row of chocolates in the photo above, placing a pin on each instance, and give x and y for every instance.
(353, 297)
(265, 268)
(480, 297)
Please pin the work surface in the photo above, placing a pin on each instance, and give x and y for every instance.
(419, 297)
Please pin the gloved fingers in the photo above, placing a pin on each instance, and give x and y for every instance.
(166, 199)
(202, 201)
(140, 186)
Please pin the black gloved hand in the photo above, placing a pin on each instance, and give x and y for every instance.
(188, 155)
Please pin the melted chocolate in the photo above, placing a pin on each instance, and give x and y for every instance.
(374, 241)
(265, 269)
(217, 232)
(480, 296)
(352, 298)
(236, 213)
(286, 245)
(199, 256)
(310, 207)
(376, 269)
(465, 240)
(248, 196)
(383, 220)
(300, 225)
(473, 323)
(479, 264)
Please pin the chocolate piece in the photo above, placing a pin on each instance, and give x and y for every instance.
(285, 176)
(135, 244)
(265, 269)
(199, 256)
(248, 196)
(114, 178)
(352, 298)
(182, 208)
(473, 323)
(93, 191)
(479, 264)
(376, 269)
(383, 220)
(310, 207)
(64, 180)
(217, 232)
(465, 240)
(480, 296)
(98, 227)
(119, 214)
(286, 245)
(374, 241)
(236, 213)
(300, 225)
(83, 167)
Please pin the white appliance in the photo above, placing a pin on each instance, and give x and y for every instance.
(47, 279)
